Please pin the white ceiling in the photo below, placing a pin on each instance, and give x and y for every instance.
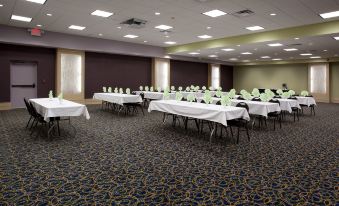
(184, 15)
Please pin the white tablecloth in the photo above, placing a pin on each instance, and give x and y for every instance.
(54, 108)
(117, 98)
(215, 113)
(259, 108)
(287, 104)
(306, 100)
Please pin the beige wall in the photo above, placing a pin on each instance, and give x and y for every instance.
(271, 76)
(334, 81)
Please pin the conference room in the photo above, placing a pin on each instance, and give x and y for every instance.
(169, 102)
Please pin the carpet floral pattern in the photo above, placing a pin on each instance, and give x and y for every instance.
(137, 160)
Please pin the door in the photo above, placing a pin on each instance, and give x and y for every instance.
(23, 83)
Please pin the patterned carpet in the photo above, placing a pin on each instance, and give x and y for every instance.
(136, 160)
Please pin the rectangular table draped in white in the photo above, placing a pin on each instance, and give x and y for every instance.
(54, 108)
(259, 108)
(306, 100)
(287, 104)
(214, 113)
(118, 98)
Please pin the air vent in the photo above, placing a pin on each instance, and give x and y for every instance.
(243, 13)
(134, 23)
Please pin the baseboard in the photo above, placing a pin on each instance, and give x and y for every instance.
(335, 100)
(5, 106)
(92, 101)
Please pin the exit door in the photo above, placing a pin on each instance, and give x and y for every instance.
(23, 83)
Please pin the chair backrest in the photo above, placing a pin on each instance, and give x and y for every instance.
(34, 112)
(142, 95)
(184, 99)
(240, 98)
(292, 98)
(134, 92)
(309, 95)
(203, 101)
(256, 99)
(243, 105)
(218, 102)
(275, 101)
(28, 106)
(277, 97)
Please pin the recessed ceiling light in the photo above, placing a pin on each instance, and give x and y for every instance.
(212, 56)
(167, 36)
(208, 27)
(163, 27)
(233, 59)
(21, 18)
(228, 49)
(296, 38)
(75, 27)
(246, 53)
(101, 13)
(291, 49)
(336, 37)
(194, 53)
(157, 13)
(325, 50)
(273, 14)
(275, 44)
(306, 54)
(100, 34)
(167, 56)
(49, 14)
(170, 42)
(37, 1)
(204, 36)
(254, 28)
(131, 36)
(119, 27)
(315, 57)
(145, 41)
(265, 57)
(39, 25)
(277, 59)
(238, 45)
(246, 60)
(1, 5)
(330, 14)
(214, 13)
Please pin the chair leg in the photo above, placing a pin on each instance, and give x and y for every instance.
(142, 110)
(248, 134)
(238, 135)
(274, 123)
(58, 127)
(196, 123)
(30, 118)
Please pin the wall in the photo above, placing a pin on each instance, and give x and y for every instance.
(226, 77)
(45, 59)
(271, 76)
(115, 70)
(334, 81)
(185, 73)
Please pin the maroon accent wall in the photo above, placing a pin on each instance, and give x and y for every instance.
(45, 59)
(115, 71)
(184, 73)
(226, 77)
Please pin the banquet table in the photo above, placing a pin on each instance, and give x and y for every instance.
(306, 100)
(287, 104)
(118, 98)
(49, 108)
(258, 108)
(215, 113)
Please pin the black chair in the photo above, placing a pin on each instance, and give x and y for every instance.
(240, 98)
(135, 106)
(28, 107)
(37, 119)
(240, 123)
(275, 115)
(218, 102)
(277, 97)
(295, 110)
(256, 99)
(312, 107)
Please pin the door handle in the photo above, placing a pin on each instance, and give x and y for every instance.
(24, 85)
